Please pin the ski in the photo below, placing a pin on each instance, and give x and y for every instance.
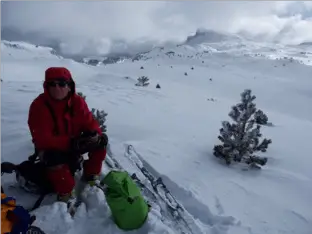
(110, 160)
(176, 210)
(155, 191)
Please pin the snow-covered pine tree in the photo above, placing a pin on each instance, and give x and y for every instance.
(81, 95)
(142, 81)
(241, 139)
(99, 115)
(261, 118)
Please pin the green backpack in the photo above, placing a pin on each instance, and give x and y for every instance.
(128, 207)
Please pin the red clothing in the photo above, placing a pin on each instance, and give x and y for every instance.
(41, 123)
(69, 124)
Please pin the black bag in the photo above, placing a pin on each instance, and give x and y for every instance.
(31, 174)
(31, 177)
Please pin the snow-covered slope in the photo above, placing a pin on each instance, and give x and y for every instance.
(14, 49)
(175, 128)
(205, 42)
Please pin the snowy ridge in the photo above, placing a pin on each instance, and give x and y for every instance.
(37, 52)
(174, 130)
(231, 49)
(206, 42)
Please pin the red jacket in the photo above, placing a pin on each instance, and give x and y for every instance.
(42, 125)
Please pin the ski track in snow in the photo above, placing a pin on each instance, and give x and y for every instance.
(196, 208)
(174, 129)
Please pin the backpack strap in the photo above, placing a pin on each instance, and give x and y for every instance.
(68, 109)
(56, 129)
(38, 202)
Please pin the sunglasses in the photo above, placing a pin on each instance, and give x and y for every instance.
(60, 83)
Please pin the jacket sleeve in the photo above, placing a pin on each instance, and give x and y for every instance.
(87, 120)
(41, 129)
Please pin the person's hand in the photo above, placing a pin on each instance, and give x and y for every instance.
(95, 138)
(89, 141)
(103, 140)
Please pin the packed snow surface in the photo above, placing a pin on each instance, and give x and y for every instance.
(175, 127)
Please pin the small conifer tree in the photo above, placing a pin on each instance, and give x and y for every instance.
(99, 115)
(142, 81)
(241, 138)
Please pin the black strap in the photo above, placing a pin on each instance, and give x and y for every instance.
(56, 129)
(34, 157)
(38, 202)
(68, 109)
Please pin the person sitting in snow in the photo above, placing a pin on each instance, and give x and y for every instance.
(62, 129)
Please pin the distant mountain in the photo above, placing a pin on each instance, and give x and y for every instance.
(199, 46)
(96, 61)
(209, 36)
(309, 43)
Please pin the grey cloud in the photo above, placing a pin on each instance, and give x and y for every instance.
(99, 27)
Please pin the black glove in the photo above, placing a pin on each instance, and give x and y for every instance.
(89, 141)
(87, 134)
(100, 140)
(103, 140)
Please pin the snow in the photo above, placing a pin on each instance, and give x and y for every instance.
(175, 128)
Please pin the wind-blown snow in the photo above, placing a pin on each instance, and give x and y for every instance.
(175, 128)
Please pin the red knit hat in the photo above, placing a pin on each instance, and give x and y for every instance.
(57, 73)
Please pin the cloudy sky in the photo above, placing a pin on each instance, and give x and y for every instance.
(99, 27)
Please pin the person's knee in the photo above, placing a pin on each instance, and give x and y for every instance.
(61, 179)
(93, 165)
(98, 155)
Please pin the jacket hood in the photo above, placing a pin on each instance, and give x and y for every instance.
(54, 73)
